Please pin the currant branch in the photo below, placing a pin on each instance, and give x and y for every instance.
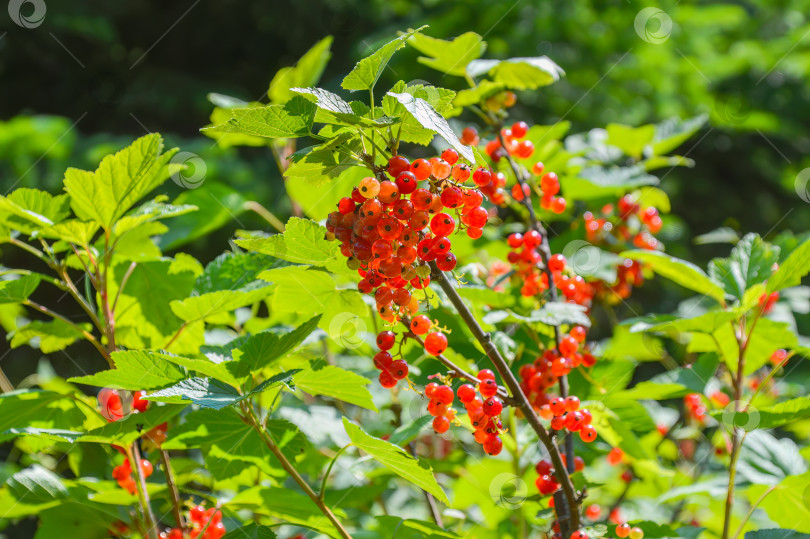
(568, 514)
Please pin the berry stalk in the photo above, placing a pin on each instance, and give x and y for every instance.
(567, 512)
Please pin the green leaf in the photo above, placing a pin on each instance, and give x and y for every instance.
(307, 72)
(679, 271)
(212, 303)
(396, 459)
(120, 180)
(427, 116)
(219, 204)
(135, 370)
(786, 506)
(723, 234)
(208, 393)
(28, 209)
(337, 383)
(255, 531)
(133, 426)
(334, 110)
(148, 212)
(218, 371)
(368, 70)
(411, 130)
(228, 443)
(411, 529)
(31, 490)
(293, 119)
(310, 292)
(319, 165)
(552, 314)
(774, 533)
(518, 73)
(18, 290)
(285, 504)
(303, 242)
(261, 350)
(72, 230)
(671, 133)
(765, 460)
(677, 382)
(405, 434)
(143, 318)
(230, 271)
(449, 56)
(593, 182)
(49, 336)
(631, 140)
(749, 264)
(791, 271)
(473, 96)
(784, 413)
(39, 409)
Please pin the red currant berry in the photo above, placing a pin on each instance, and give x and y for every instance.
(493, 406)
(587, 433)
(397, 165)
(579, 535)
(493, 445)
(556, 263)
(398, 369)
(450, 155)
(422, 169)
(482, 177)
(486, 374)
(488, 388)
(519, 129)
(435, 343)
(406, 183)
(444, 394)
(441, 424)
(615, 455)
(387, 380)
(572, 403)
(138, 403)
(446, 262)
(466, 393)
(557, 406)
(623, 530)
(544, 467)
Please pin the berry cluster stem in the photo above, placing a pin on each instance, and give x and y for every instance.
(253, 421)
(567, 512)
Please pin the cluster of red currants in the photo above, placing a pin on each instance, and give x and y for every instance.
(565, 414)
(630, 222)
(390, 228)
(123, 474)
(695, 406)
(547, 483)
(484, 411)
(440, 399)
(205, 524)
(543, 373)
(512, 143)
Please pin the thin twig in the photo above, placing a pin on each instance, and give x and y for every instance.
(568, 514)
(134, 456)
(175, 494)
(86, 334)
(251, 419)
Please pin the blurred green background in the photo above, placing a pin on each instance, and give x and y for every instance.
(91, 76)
